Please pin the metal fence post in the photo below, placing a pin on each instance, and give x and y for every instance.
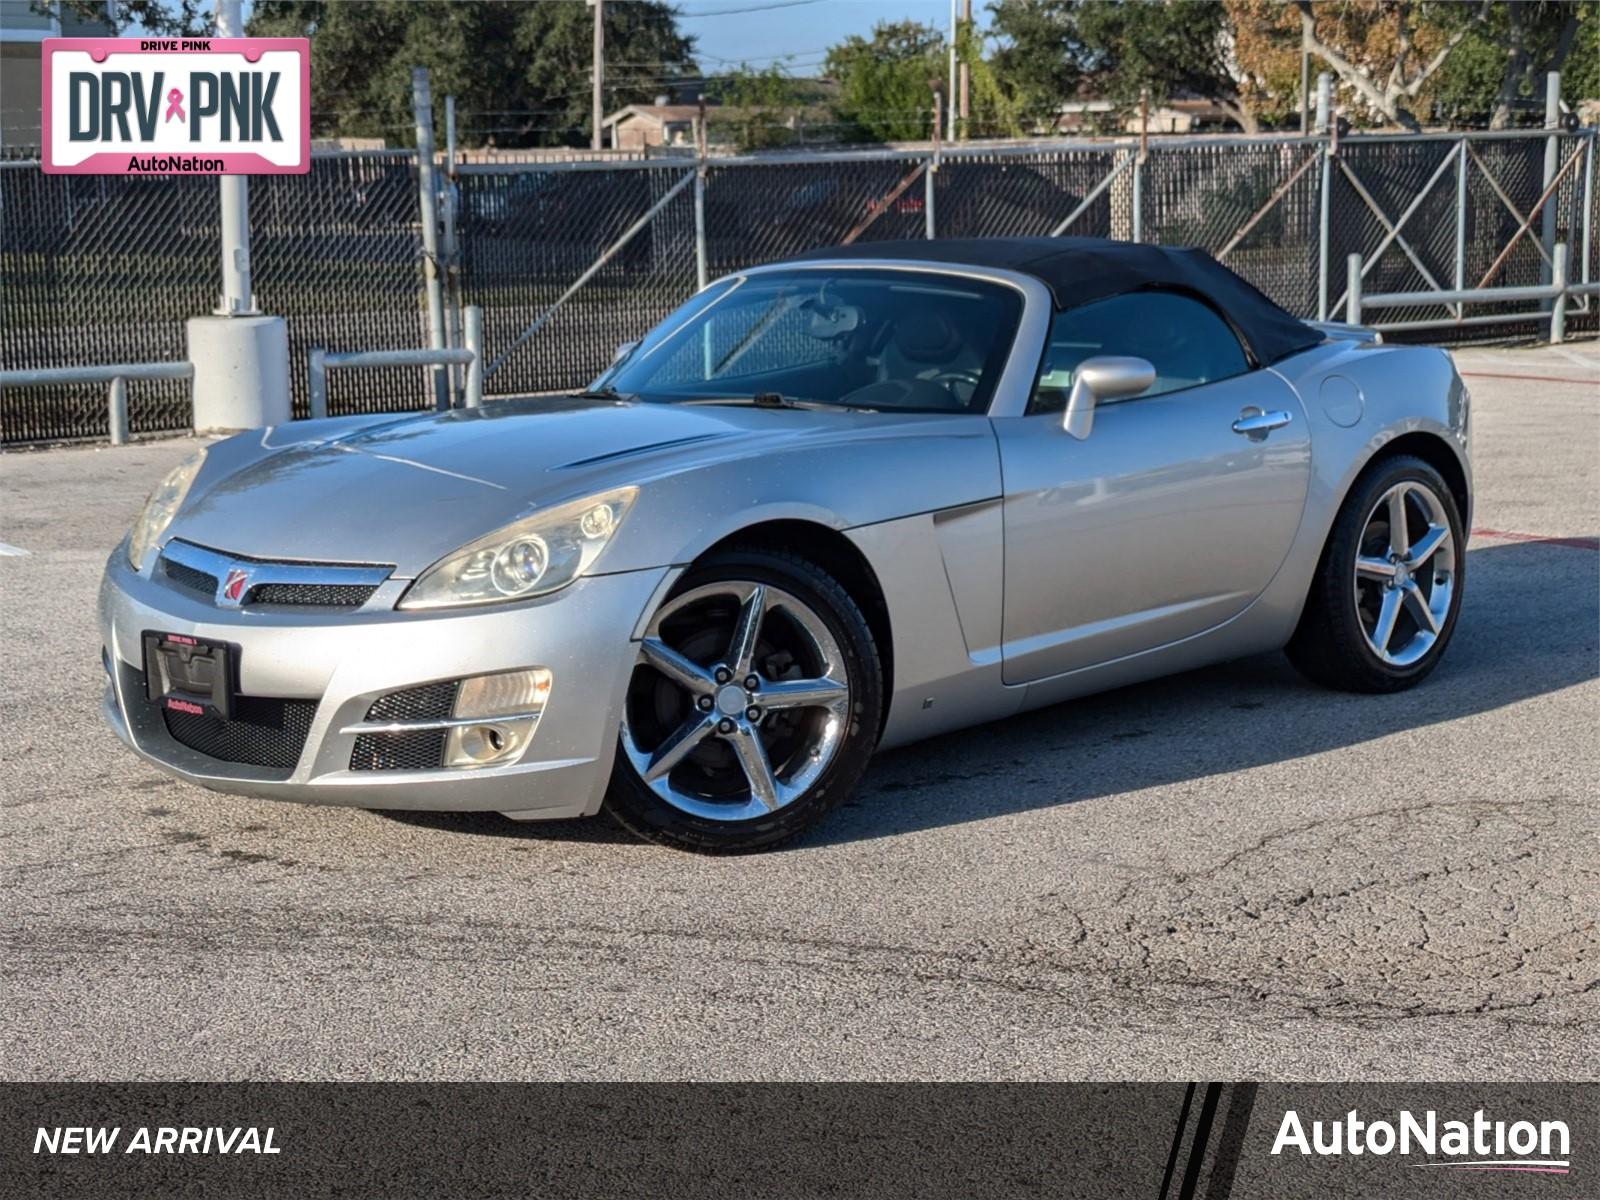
(1325, 184)
(929, 228)
(1588, 208)
(1352, 295)
(1461, 214)
(1138, 198)
(1552, 162)
(422, 109)
(701, 274)
(317, 383)
(1558, 306)
(1324, 101)
(452, 247)
(472, 337)
(117, 405)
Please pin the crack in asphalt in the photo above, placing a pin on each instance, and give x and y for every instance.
(1367, 935)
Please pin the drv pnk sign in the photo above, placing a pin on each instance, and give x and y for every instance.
(171, 106)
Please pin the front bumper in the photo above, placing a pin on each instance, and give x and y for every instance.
(345, 661)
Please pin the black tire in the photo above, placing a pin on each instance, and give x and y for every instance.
(1330, 645)
(637, 808)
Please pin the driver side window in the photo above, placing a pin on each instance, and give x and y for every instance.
(1186, 342)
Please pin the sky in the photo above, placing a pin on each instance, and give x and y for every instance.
(795, 32)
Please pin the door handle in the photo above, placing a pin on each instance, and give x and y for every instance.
(1254, 423)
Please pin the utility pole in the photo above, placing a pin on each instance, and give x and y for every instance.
(966, 74)
(240, 356)
(599, 71)
(235, 189)
(950, 133)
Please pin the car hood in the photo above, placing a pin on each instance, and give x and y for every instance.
(406, 491)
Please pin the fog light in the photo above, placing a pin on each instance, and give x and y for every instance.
(516, 697)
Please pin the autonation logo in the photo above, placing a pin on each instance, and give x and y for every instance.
(1479, 1144)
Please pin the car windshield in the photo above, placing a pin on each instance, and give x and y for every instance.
(839, 337)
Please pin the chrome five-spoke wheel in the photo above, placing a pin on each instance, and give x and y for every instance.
(1405, 573)
(1387, 592)
(739, 702)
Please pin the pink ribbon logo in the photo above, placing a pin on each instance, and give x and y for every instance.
(175, 105)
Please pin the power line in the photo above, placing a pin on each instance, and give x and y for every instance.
(728, 12)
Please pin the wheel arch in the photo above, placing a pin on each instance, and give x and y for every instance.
(1437, 452)
(835, 554)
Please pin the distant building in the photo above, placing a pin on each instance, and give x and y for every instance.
(643, 127)
(1174, 116)
(23, 29)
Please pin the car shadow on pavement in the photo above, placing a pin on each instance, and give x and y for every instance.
(1530, 625)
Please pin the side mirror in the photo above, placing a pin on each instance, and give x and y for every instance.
(1106, 377)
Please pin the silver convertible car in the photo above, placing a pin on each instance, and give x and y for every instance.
(847, 501)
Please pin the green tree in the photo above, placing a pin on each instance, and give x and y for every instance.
(1053, 49)
(1399, 62)
(760, 104)
(1039, 58)
(1501, 64)
(519, 72)
(992, 110)
(164, 18)
(884, 81)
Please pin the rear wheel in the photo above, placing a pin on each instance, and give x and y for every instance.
(752, 710)
(1388, 589)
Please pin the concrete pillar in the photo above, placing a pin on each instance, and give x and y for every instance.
(241, 372)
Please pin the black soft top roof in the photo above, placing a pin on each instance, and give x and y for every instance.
(1078, 270)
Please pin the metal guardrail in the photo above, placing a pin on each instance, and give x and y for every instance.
(1555, 294)
(469, 355)
(114, 374)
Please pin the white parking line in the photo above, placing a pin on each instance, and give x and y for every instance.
(9, 551)
(1582, 360)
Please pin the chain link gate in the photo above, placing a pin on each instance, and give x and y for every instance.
(105, 269)
(1253, 206)
(570, 259)
(568, 262)
(1439, 214)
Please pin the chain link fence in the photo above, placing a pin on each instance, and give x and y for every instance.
(106, 268)
(569, 259)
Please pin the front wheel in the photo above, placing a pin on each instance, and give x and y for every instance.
(752, 710)
(1388, 589)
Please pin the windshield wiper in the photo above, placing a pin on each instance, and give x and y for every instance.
(606, 393)
(777, 400)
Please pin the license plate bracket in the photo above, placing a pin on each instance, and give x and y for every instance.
(189, 674)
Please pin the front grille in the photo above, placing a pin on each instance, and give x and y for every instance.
(201, 582)
(261, 733)
(413, 750)
(286, 584)
(319, 595)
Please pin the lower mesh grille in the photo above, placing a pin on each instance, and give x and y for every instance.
(261, 733)
(318, 595)
(421, 750)
(434, 702)
(413, 750)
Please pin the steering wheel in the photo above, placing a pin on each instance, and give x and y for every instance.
(954, 381)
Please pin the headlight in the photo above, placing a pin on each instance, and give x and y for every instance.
(530, 557)
(162, 505)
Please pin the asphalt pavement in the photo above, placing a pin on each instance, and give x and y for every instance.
(1229, 874)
